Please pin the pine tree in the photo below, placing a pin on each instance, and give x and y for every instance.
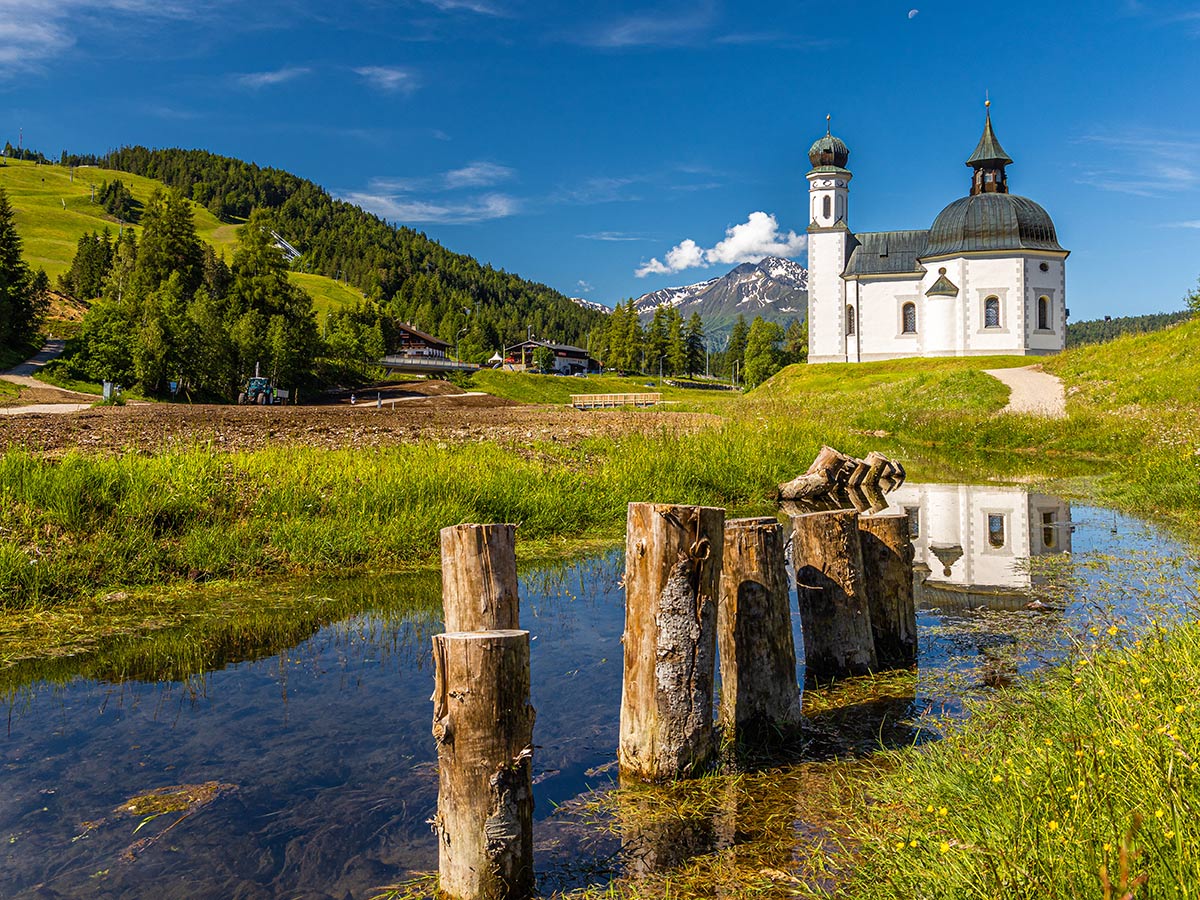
(736, 349)
(23, 297)
(795, 341)
(694, 339)
(677, 356)
(762, 354)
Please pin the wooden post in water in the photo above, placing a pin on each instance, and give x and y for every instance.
(483, 725)
(479, 577)
(888, 565)
(672, 576)
(832, 595)
(759, 695)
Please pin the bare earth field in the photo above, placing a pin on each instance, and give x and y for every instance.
(454, 418)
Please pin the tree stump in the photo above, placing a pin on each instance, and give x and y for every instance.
(479, 578)
(832, 595)
(888, 564)
(672, 576)
(759, 695)
(483, 725)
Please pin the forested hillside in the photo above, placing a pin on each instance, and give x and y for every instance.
(414, 278)
(1096, 331)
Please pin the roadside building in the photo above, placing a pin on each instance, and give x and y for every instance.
(418, 343)
(568, 360)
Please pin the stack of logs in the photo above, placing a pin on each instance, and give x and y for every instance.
(695, 584)
(838, 481)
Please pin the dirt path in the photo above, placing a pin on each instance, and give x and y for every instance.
(37, 396)
(1033, 391)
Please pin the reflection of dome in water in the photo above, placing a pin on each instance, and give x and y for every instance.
(947, 555)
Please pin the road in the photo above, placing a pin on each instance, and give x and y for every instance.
(1033, 391)
(37, 397)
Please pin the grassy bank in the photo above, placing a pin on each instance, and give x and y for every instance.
(1089, 776)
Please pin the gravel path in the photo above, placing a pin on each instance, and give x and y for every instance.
(37, 396)
(1033, 391)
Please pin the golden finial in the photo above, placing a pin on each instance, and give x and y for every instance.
(828, 127)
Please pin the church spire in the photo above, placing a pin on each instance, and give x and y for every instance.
(989, 161)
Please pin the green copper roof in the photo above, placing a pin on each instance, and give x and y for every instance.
(988, 152)
(829, 170)
(829, 151)
(988, 222)
(887, 253)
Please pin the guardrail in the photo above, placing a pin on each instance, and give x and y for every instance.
(405, 363)
(611, 401)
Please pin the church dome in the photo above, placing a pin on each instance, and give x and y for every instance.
(984, 222)
(829, 151)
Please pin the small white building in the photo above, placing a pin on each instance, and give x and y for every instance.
(989, 276)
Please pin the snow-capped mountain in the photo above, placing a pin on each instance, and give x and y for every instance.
(775, 288)
(591, 304)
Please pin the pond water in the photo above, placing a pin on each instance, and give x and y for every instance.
(310, 773)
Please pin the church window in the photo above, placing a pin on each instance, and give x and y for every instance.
(827, 206)
(1049, 530)
(991, 312)
(909, 317)
(1044, 267)
(914, 521)
(1044, 313)
(849, 320)
(995, 523)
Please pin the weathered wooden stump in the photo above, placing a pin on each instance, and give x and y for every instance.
(483, 725)
(759, 695)
(888, 565)
(672, 576)
(832, 595)
(479, 577)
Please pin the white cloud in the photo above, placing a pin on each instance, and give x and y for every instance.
(410, 210)
(1166, 163)
(751, 241)
(391, 79)
(584, 286)
(612, 236)
(664, 27)
(475, 6)
(477, 174)
(256, 80)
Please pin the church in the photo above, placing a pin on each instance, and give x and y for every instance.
(988, 278)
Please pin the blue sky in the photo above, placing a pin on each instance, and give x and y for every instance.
(579, 144)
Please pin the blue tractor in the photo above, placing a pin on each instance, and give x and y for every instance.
(258, 390)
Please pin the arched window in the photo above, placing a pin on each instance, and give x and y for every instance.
(850, 320)
(991, 312)
(827, 206)
(995, 524)
(909, 315)
(1044, 313)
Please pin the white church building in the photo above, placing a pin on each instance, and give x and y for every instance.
(988, 278)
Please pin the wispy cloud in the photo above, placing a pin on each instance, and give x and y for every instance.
(751, 241)
(256, 80)
(1165, 164)
(389, 79)
(612, 236)
(482, 7)
(33, 31)
(1194, 223)
(451, 212)
(584, 286)
(478, 174)
(676, 27)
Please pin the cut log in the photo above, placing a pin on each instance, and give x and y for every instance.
(483, 725)
(806, 487)
(827, 460)
(672, 576)
(760, 699)
(874, 496)
(479, 578)
(887, 552)
(831, 591)
(857, 498)
(858, 473)
(879, 465)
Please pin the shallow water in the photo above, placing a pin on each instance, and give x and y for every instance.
(311, 773)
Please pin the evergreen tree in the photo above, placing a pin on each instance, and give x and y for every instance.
(735, 351)
(90, 267)
(677, 355)
(658, 339)
(762, 354)
(694, 339)
(169, 245)
(23, 294)
(795, 341)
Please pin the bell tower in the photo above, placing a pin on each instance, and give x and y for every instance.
(829, 244)
(989, 161)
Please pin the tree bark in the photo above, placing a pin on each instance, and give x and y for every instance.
(888, 565)
(483, 725)
(832, 596)
(672, 576)
(760, 698)
(479, 578)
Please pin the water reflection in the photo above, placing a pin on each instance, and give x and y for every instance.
(316, 727)
(974, 543)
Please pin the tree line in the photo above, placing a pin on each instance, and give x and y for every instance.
(753, 353)
(1097, 331)
(409, 276)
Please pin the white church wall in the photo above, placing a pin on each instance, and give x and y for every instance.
(999, 277)
(881, 304)
(826, 296)
(1050, 284)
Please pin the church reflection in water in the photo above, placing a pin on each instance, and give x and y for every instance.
(973, 542)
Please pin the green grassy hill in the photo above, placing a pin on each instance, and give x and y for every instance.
(53, 211)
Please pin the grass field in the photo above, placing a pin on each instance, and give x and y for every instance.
(54, 210)
(557, 389)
